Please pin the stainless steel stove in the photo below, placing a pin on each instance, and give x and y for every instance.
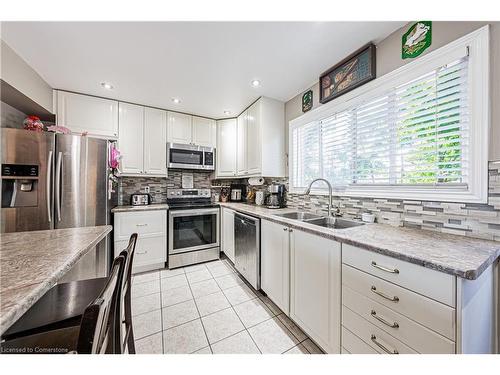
(193, 227)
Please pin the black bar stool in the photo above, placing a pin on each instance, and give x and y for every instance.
(96, 333)
(63, 306)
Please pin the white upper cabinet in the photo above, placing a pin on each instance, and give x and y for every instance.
(155, 141)
(204, 133)
(87, 114)
(142, 141)
(241, 145)
(189, 129)
(254, 139)
(226, 149)
(179, 127)
(131, 140)
(260, 141)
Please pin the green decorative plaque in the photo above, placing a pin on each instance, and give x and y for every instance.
(307, 101)
(416, 40)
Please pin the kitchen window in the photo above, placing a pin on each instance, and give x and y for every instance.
(420, 132)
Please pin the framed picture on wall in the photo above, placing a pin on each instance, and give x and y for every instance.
(354, 71)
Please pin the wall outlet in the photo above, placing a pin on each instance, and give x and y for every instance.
(146, 189)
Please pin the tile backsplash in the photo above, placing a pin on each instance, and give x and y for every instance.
(158, 185)
(466, 219)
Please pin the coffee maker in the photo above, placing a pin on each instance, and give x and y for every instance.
(276, 197)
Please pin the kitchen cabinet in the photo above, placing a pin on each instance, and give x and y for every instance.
(393, 306)
(228, 233)
(187, 129)
(254, 140)
(131, 139)
(260, 141)
(142, 140)
(315, 287)
(241, 145)
(204, 132)
(179, 127)
(151, 247)
(226, 150)
(155, 141)
(87, 114)
(275, 263)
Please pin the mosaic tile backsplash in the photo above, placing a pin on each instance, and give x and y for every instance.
(466, 219)
(158, 186)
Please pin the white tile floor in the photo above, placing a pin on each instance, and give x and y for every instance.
(208, 308)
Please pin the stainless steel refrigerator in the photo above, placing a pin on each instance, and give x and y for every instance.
(53, 181)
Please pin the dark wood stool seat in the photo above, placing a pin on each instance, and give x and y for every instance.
(58, 341)
(98, 330)
(62, 306)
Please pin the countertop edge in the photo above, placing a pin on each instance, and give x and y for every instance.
(150, 207)
(19, 309)
(469, 274)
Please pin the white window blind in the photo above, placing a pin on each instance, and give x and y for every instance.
(415, 134)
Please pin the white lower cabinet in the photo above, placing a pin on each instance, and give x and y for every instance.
(151, 229)
(228, 233)
(315, 287)
(275, 263)
(394, 307)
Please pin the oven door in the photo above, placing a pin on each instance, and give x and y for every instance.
(184, 156)
(193, 229)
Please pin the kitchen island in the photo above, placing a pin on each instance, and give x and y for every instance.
(32, 262)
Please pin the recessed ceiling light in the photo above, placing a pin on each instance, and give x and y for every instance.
(255, 83)
(176, 100)
(107, 85)
(227, 112)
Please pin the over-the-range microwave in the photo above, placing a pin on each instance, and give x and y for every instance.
(183, 156)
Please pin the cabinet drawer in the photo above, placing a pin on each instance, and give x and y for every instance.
(375, 337)
(148, 251)
(144, 223)
(352, 344)
(432, 314)
(413, 334)
(433, 284)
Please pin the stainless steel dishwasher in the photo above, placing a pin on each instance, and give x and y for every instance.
(247, 248)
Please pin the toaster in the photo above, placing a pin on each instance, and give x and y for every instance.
(140, 199)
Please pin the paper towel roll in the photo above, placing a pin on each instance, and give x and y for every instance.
(256, 181)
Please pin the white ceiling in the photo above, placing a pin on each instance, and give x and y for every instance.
(208, 65)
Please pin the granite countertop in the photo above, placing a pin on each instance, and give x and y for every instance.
(460, 256)
(149, 207)
(32, 262)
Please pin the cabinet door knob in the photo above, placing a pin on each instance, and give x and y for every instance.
(285, 229)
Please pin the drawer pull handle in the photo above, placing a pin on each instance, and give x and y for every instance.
(383, 347)
(142, 252)
(141, 225)
(374, 264)
(392, 325)
(383, 295)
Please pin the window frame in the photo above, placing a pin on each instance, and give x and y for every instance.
(476, 44)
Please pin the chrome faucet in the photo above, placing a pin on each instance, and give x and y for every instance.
(308, 191)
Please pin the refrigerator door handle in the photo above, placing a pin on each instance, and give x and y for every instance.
(58, 186)
(49, 185)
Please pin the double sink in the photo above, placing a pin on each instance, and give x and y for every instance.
(322, 221)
